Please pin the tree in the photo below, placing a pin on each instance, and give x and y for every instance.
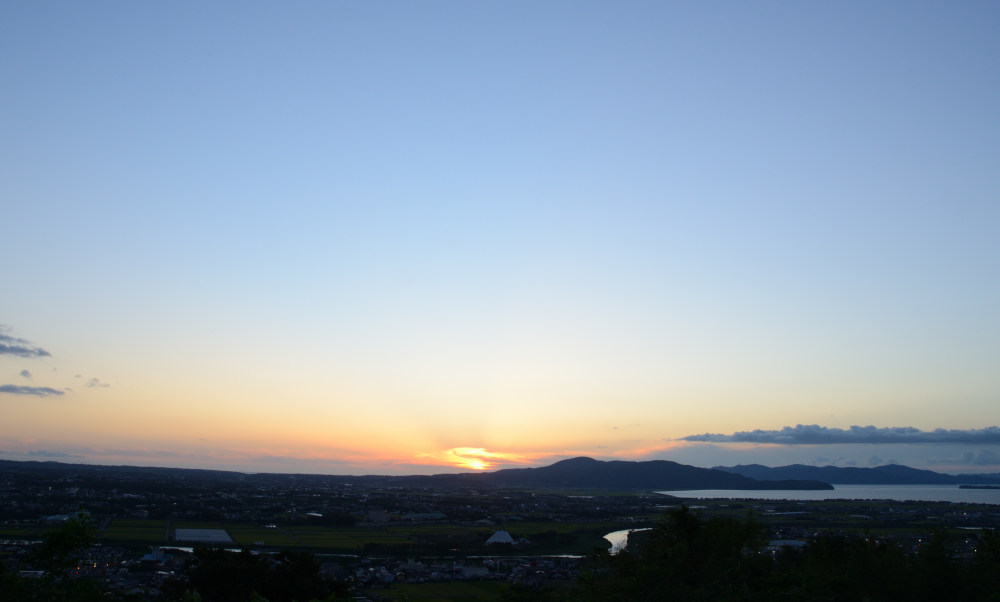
(57, 555)
(684, 558)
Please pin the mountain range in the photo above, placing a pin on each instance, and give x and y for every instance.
(889, 474)
(588, 473)
(574, 473)
(652, 474)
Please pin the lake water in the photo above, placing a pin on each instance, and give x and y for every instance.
(899, 493)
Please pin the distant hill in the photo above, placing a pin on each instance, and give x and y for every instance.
(575, 473)
(589, 473)
(890, 474)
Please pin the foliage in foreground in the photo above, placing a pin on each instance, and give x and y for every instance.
(684, 558)
(724, 559)
(56, 557)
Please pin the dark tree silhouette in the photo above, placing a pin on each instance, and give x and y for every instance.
(56, 556)
(687, 558)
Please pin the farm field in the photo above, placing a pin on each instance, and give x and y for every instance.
(441, 529)
(189, 524)
(454, 591)
(350, 538)
(134, 530)
(248, 535)
(544, 537)
(20, 532)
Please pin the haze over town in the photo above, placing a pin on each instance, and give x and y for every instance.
(367, 238)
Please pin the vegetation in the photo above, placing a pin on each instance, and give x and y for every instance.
(725, 559)
(684, 557)
(455, 591)
(57, 557)
(216, 575)
(134, 531)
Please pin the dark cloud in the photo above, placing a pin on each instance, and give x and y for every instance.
(813, 434)
(26, 374)
(14, 346)
(94, 382)
(36, 391)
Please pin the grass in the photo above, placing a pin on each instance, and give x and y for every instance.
(441, 529)
(455, 591)
(546, 537)
(135, 530)
(187, 524)
(21, 532)
(348, 538)
(246, 535)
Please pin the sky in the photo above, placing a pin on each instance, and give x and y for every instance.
(412, 238)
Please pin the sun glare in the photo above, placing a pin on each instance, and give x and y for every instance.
(473, 458)
(476, 464)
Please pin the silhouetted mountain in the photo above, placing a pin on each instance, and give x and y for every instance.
(653, 474)
(576, 473)
(890, 474)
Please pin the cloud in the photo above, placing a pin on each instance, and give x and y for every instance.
(22, 390)
(475, 458)
(26, 374)
(50, 454)
(14, 346)
(813, 434)
(94, 382)
(983, 457)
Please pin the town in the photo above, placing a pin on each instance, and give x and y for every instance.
(375, 537)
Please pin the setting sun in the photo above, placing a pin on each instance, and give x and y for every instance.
(476, 464)
(474, 458)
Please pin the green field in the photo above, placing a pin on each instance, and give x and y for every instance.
(247, 535)
(441, 529)
(135, 530)
(455, 591)
(21, 532)
(349, 538)
(545, 537)
(190, 524)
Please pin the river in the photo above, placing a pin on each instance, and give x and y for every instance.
(619, 539)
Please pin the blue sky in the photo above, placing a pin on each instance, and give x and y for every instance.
(359, 236)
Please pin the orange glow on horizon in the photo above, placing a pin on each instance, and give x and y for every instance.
(645, 451)
(474, 458)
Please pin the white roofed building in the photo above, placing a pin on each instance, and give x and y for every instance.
(500, 537)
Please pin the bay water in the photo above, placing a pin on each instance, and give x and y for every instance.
(899, 493)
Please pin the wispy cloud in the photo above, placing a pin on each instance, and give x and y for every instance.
(978, 458)
(23, 390)
(983, 457)
(95, 382)
(14, 346)
(814, 434)
(26, 374)
(51, 454)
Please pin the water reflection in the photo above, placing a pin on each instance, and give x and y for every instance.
(619, 539)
